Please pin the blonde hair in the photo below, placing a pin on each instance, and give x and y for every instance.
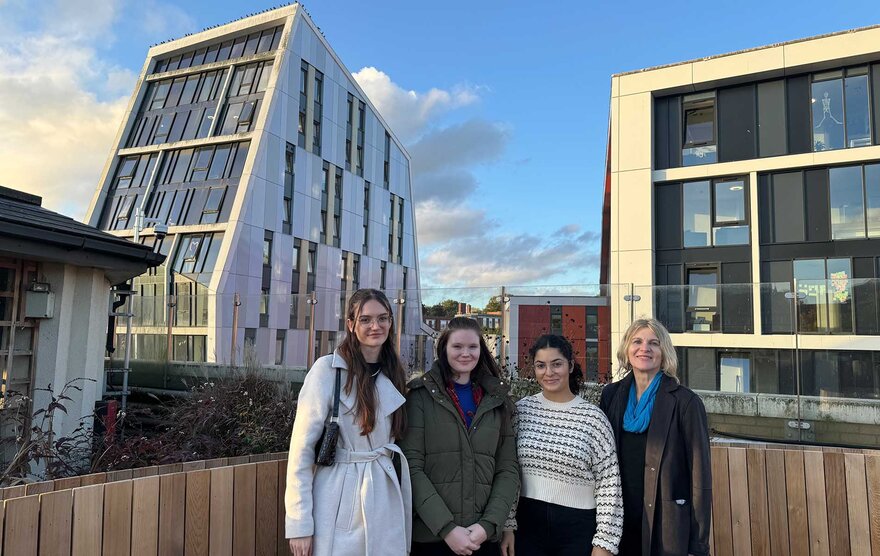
(668, 357)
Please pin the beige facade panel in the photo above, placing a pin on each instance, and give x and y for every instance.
(652, 80)
(634, 145)
(635, 213)
(836, 48)
(767, 61)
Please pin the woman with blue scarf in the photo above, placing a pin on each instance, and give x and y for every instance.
(662, 439)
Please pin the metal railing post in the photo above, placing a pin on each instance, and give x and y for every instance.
(236, 303)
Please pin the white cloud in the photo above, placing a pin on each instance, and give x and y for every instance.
(406, 111)
(439, 223)
(461, 145)
(494, 260)
(60, 103)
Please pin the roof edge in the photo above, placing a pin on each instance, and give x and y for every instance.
(743, 51)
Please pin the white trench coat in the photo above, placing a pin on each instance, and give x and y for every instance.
(357, 506)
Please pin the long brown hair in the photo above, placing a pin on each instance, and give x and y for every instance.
(359, 376)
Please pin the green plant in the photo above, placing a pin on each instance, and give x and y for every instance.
(37, 453)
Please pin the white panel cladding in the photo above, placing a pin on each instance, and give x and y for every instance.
(261, 192)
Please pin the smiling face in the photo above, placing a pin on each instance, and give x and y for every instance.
(371, 325)
(463, 351)
(552, 370)
(644, 352)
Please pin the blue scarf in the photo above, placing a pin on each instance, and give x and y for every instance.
(637, 416)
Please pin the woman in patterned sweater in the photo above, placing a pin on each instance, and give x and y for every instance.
(571, 497)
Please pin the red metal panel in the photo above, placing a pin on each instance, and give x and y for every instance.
(534, 320)
(605, 350)
(574, 327)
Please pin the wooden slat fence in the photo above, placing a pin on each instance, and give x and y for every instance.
(114, 476)
(767, 501)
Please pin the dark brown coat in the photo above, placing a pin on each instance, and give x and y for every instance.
(677, 468)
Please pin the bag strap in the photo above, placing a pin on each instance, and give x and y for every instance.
(335, 415)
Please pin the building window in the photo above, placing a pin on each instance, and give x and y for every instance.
(734, 370)
(387, 167)
(698, 146)
(303, 102)
(212, 205)
(841, 109)
(280, 337)
(365, 249)
(825, 291)
(702, 302)
(715, 213)
(267, 251)
(846, 198)
(318, 103)
(287, 201)
(383, 268)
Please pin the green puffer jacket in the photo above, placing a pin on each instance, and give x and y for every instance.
(459, 477)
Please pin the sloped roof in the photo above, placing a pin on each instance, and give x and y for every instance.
(28, 229)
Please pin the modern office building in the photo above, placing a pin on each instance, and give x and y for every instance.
(742, 208)
(574, 316)
(282, 188)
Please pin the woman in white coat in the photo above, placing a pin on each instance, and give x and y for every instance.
(360, 505)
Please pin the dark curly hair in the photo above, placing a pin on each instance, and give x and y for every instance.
(555, 341)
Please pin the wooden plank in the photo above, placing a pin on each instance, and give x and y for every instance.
(283, 548)
(172, 513)
(40, 488)
(150, 471)
(817, 510)
(857, 504)
(217, 462)
(145, 516)
(94, 479)
(16, 491)
(56, 518)
(759, 521)
(244, 510)
(221, 511)
(121, 475)
(739, 501)
(193, 466)
(198, 512)
(238, 460)
(169, 468)
(22, 526)
(721, 502)
(117, 518)
(872, 477)
(835, 491)
(88, 513)
(67, 482)
(267, 507)
(796, 498)
(777, 505)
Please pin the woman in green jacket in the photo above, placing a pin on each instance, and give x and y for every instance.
(460, 447)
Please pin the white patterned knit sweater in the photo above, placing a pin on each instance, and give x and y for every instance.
(567, 456)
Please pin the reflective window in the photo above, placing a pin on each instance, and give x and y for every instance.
(847, 204)
(698, 146)
(734, 370)
(702, 303)
(858, 110)
(872, 198)
(824, 295)
(697, 215)
(827, 102)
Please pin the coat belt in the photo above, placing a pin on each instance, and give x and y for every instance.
(371, 506)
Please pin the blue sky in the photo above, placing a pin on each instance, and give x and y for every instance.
(535, 79)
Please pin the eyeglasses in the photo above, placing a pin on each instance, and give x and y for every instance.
(366, 322)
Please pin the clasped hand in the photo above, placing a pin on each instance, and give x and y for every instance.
(466, 541)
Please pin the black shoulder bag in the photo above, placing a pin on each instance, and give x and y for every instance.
(325, 449)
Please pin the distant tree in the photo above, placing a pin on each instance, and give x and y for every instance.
(493, 306)
(446, 308)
